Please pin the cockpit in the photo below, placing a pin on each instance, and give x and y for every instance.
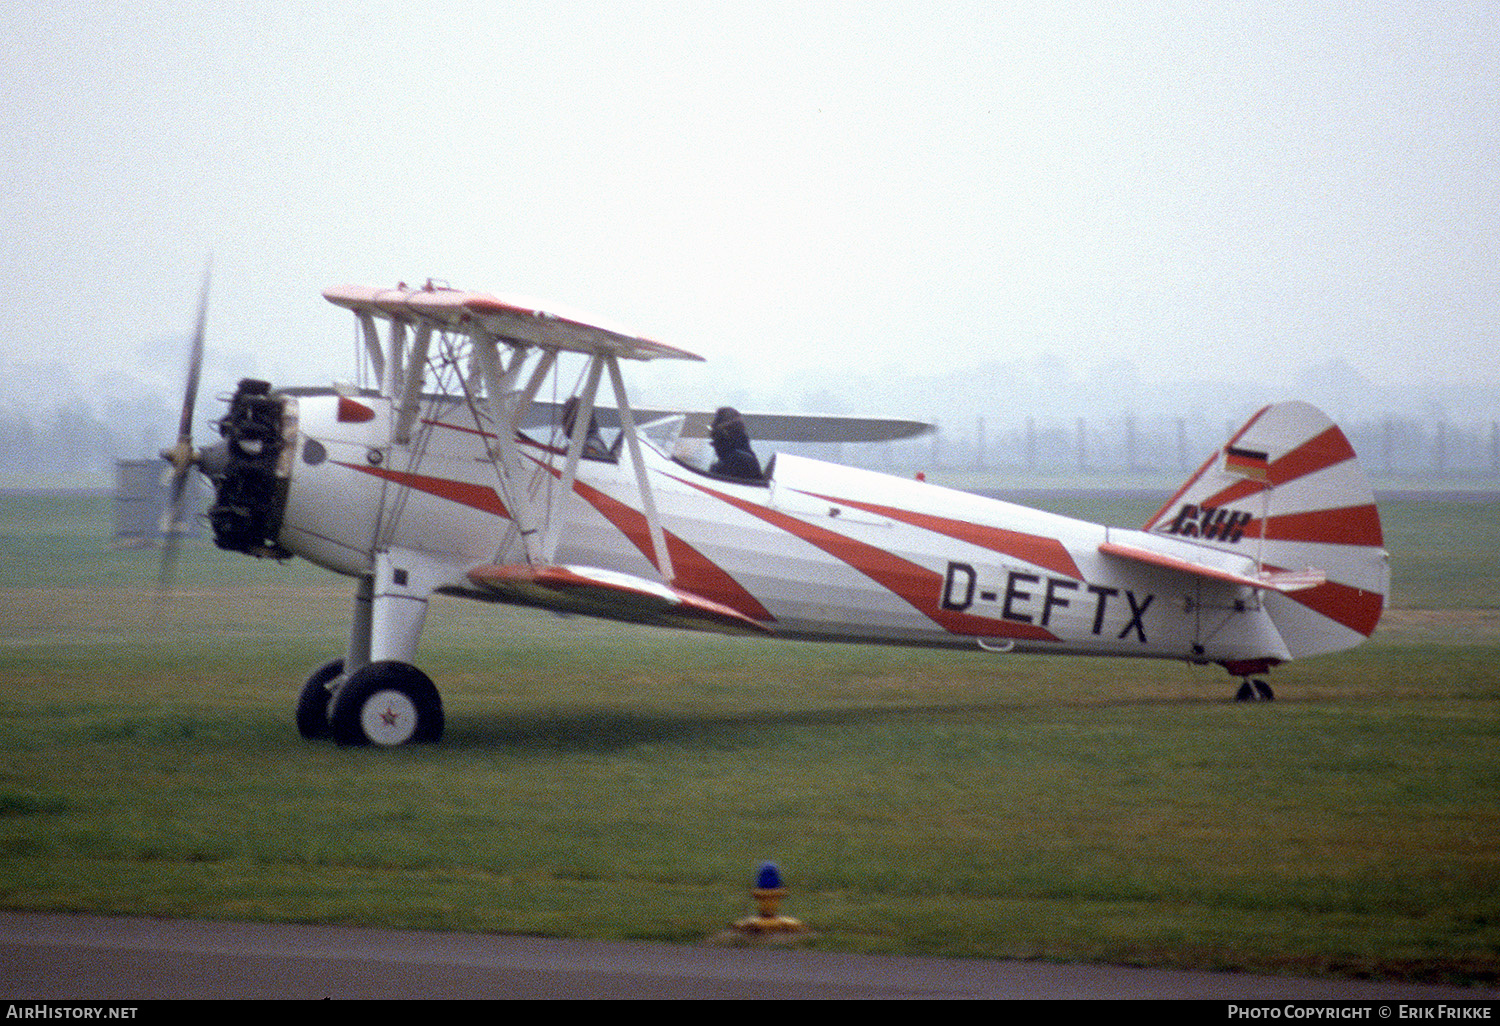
(691, 449)
(719, 448)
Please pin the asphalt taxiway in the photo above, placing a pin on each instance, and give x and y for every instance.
(88, 957)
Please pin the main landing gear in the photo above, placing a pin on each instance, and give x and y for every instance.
(384, 700)
(387, 703)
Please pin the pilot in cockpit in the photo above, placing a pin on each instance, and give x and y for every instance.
(593, 443)
(732, 447)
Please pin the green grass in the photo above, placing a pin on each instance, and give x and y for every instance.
(601, 781)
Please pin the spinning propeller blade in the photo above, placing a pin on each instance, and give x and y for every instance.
(181, 456)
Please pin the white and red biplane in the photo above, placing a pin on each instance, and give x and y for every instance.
(433, 479)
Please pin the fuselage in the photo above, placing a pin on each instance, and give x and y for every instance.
(815, 551)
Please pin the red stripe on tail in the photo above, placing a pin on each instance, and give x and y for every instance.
(1352, 525)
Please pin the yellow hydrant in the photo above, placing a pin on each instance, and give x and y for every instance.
(768, 892)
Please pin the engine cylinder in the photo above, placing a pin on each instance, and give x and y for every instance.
(250, 495)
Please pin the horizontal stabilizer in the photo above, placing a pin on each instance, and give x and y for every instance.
(1280, 581)
(611, 595)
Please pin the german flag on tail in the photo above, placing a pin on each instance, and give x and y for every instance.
(1246, 463)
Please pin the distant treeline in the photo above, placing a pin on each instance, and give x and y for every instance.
(73, 441)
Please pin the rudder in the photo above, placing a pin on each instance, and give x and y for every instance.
(1288, 492)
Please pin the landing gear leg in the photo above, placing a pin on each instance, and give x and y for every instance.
(358, 652)
(384, 699)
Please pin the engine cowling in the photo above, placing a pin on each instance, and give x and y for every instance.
(250, 469)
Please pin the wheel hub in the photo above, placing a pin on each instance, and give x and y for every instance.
(389, 717)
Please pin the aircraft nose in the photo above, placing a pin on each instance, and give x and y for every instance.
(213, 460)
(250, 483)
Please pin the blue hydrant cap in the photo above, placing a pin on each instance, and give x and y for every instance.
(769, 876)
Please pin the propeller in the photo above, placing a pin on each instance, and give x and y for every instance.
(182, 456)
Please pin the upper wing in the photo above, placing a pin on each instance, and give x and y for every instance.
(522, 322)
(809, 427)
(510, 319)
(762, 427)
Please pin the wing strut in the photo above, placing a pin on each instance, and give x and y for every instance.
(410, 401)
(372, 344)
(490, 321)
(648, 500)
(505, 408)
(576, 438)
(508, 406)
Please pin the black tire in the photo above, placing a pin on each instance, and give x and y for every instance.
(312, 700)
(387, 704)
(1245, 694)
(1263, 691)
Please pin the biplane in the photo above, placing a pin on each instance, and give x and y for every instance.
(447, 470)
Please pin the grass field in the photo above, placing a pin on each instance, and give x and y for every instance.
(601, 781)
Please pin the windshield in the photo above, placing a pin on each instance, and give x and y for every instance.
(663, 433)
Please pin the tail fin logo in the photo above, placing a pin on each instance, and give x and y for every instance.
(1210, 523)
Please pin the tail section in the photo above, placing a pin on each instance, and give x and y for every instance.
(1288, 492)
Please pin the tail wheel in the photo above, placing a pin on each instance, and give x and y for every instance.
(387, 704)
(1255, 691)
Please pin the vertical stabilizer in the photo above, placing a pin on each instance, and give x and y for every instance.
(1288, 492)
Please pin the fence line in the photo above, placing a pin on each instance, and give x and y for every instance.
(1391, 445)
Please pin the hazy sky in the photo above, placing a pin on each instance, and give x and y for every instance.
(1243, 188)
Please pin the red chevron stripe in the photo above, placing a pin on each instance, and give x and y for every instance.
(1351, 525)
(918, 586)
(1035, 549)
(695, 571)
(1355, 608)
(1177, 496)
(462, 492)
(1318, 453)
